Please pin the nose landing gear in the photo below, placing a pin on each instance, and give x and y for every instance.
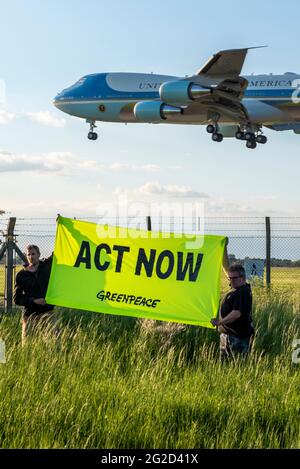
(92, 135)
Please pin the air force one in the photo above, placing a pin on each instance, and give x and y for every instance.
(218, 96)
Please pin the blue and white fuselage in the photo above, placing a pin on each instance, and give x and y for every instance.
(241, 104)
(268, 98)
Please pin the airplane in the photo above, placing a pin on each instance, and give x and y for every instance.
(218, 96)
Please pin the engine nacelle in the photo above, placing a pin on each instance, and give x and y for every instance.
(154, 111)
(181, 92)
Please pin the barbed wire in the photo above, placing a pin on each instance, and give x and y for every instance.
(20, 233)
(159, 216)
(203, 220)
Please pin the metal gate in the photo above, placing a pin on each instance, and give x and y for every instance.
(2, 272)
(8, 253)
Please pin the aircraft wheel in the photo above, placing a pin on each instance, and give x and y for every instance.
(210, 129)
(251, 144)
(92, 136)
(239, 135)
(261, 139)
(249, 136)
(216, 137)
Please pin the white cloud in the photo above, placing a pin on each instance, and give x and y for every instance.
(6, 116)
(118, 166)
(218, 211)
(176, 168)
(54, 162)
(51, 208)
(147, 167)
(91, 165)
(63, 163)
(214, 206)
(40, 117)
(46, 118)
(133, 167)
(155, 188)
(227, 207)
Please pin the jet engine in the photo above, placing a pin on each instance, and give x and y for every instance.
(181, 91)
(154, 111)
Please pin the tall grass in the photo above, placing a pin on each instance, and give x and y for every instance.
(115, 382)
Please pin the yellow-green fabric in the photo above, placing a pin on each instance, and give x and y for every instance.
(139, 273)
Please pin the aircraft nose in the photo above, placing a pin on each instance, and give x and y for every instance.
(58, 99)
(62, 101)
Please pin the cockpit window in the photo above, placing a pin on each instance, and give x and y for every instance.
(75, 85)
(79, 82)
(83, 87)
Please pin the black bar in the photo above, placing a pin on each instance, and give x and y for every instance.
(20, 253)
(134, 458)
(2, 250)
(268, 251)
(148, 220)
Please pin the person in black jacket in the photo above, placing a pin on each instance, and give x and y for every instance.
(235, 318)
(30, 291)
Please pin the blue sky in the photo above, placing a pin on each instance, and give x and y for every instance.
(48, 166)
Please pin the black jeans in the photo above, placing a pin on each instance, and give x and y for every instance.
(232, 347)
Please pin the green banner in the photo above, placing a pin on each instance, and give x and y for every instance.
(115, 270)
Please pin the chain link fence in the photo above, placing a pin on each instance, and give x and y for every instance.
(247, 239)
(3, 224)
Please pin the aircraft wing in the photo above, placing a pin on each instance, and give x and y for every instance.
(224, 107)
(223, 71)
(226, 63)
(225, 99)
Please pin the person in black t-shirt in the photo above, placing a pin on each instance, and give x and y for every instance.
(30, 291)
(235, 319)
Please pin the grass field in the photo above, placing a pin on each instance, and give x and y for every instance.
(115, 382)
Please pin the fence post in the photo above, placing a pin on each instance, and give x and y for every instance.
(268, 251)
(9, 265)
(148, 221)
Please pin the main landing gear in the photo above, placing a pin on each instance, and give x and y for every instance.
(92, 135)
(252, 138)
(251, 134)
(214, 130)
